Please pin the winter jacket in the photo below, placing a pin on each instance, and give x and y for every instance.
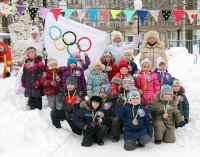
(85, 64)
(132, 67)
(116, 82)
(152, 86)
(94, 82)
(111, 70)
(183, 104)
(78, 72)
(167, 78)
(134, 132)
(48, 76)
(153, 52)
(32, 73)
(156, 109)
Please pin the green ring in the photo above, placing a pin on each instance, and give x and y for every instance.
(78, 45)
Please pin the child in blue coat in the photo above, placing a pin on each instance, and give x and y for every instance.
(137, 125)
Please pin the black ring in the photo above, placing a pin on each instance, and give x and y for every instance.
(71, 43)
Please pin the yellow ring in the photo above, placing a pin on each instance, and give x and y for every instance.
(59, 49)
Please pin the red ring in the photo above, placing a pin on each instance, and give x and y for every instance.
(88, 47)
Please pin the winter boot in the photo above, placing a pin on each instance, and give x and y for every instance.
(100, 143)
(115, 138)
(158, 142)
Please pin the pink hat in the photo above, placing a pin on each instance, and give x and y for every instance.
(159, 60)
(146, 60)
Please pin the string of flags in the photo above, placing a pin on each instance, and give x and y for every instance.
(6, 9)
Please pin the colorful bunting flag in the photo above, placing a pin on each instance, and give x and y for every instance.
(129, 14)
(178, 15)
(142, 15)
(11, 7)
(93, 13)
(32, 12)
(105, 14)
(81, 13)
(191, 15)
(56, 12)
(20, 9)
(114, 13)
(155, 14)
(166, 14)
(68, 13)
(44, 12)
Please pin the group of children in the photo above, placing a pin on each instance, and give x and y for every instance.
(120, 97)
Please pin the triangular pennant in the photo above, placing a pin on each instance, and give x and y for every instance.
(93, 13)
(142, 14)
(166, 14)
(129, 14)
(114, 13)
(105, 14)
(44, 12)
(56, 12)
(68, 13)
(155, 14)
(20, 9)
(178, 15)
(32, 12)
(11, 7)
(81, 13)
(191, 15)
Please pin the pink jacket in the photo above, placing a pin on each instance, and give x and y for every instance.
(152, 83)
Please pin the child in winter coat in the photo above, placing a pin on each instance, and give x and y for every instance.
(32, 73)
(137, 124)
(109, 61)
(122, 70)
(132, 67)
(164, 77)
(80, 62)
(96, 78)
(51, 82)
(89, 119)
(183, 104)
(147, 82)
(164, 112)
(69, 102)
(73, 70)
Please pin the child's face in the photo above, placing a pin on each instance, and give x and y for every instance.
(145, 67)
(117, 40)
(95, 104)
(167, 96)
(151, 40)
(135, 101)
(78, 58)
(97, 68)
(162, 66)
(108, 58)
(53, 66)
(127, 57)
(103, 95)
(176, 88)
(34, 36)
(72, 65)
(31, 54)
(126, 85)
(70, 87)
(123, 71)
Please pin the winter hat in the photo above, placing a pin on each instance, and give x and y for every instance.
(176, 82)
(50, 61)
(166, 89)
(116, 34)
(71, 59)
(34, 29)
(105, 89)
(146, 60)
(71, 80)
(128, 79)
(96, 98)
(133, 94)
(96, 62)
(121, 65)
(77, 54)
(30, 49)
(152, 34)
(103, 57)
(159, 60)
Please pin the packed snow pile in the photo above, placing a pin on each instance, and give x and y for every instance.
(25, 133)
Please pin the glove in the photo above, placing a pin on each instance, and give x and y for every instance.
(135, 75)
(53, 83)
(186, 121)
(23, 85)
(36, 84)
(182, 124)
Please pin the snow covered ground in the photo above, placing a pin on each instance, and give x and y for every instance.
(25, 133)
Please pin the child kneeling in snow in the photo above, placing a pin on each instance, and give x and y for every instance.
(164, 112)
(69, 101)
(137, 125)
(89, 119)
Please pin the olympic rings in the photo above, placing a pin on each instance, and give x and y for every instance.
(78, 45)
(71, 43)
(88, 47)
(59, 49)
(59, 31)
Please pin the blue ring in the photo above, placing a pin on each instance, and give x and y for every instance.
(59, 31)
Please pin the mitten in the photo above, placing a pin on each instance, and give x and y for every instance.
(23, 85)
(135, 75)
(53, 83)
(181, 124)
(186, 121)
(36, 84)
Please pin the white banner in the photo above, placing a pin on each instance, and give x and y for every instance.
(76, 36)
